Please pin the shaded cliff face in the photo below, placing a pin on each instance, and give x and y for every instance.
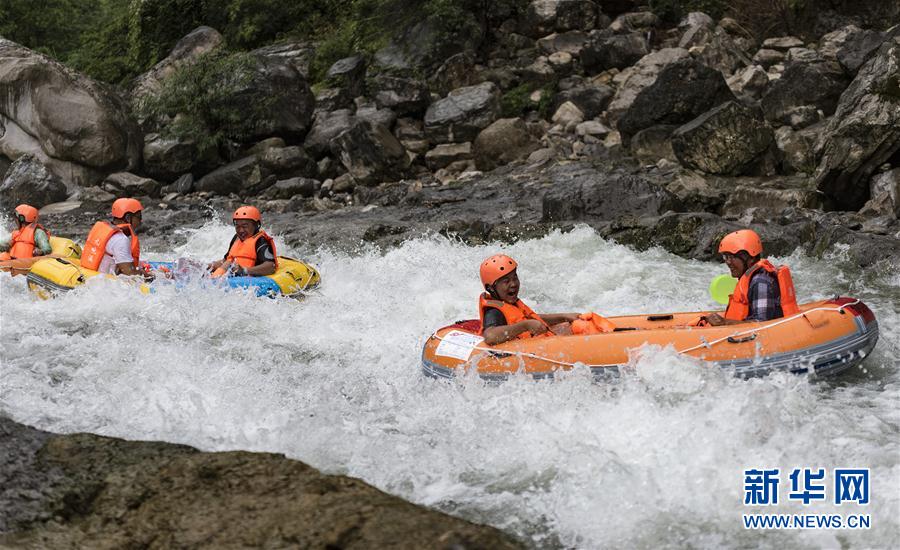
(83, 490)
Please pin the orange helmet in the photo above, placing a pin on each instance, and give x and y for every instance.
(123, 207)
(744, 239)
(496, 267)
(246, 213)
(29, 213)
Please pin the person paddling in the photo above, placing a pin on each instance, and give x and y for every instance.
(29, 240)
(763, 291)
(251, 252)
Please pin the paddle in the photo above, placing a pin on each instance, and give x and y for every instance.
(721, 287)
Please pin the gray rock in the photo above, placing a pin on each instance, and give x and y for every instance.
(653, 143)
(798, 148)
(166, 159)
(131, 185)
(370, 153)
(864, 132)
(333, 99)
(682, 91)
(462, 114)
(349, 74)
(326, 127)
(289, 115)
(592, 128)
(199, 41)
(766, 58)
(183, 185)
(818, 84)
(404, 96)
(587, 197)
(234, 177)
(288, 161)
(370, 111)
(725, 140)
(28, 181)
(782, 43)
(590, 99)
(543, 17)
(750, 82)
(640, 76)
(802, 116)
(571, 42)
(613, 52)
(568, 115)
(803, 55)
(720, 52)
(885, 195)
(771, 196)
(504, 141)
(446, 154)
(635, 21)
(423, 46)
(858, 49)
(456, 72)
(696, 19)
(298, 54)
(292, 187)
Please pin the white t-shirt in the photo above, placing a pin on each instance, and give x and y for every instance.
(118, 251)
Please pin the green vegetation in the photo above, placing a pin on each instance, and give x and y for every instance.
(671, 11)
(210, 101)
(517, 101)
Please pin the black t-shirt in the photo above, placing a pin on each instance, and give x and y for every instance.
(493, 317)
(263, 251)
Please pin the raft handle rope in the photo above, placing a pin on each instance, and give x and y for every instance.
(708, 345)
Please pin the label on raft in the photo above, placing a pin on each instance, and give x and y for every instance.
(458, 345)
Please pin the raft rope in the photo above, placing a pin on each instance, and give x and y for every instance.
(704, 344)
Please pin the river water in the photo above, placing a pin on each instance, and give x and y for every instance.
(655, 460)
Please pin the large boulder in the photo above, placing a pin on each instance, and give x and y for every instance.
(885, 193)
(653, 143)
(404, 96)
(682, 91)
(126, 184)
(502, 142)
(850, 46)
(592, 198)
(234, 177)
(370, 153)
(298, 54)
(543, 17)
(818, 84)
(634, 79)
(424, 45)
(720, 52)
(462, 114)
(615, 51)
(349, 74)
(289, 112)
(288, 161)
(798, 148)
(292, 187)
(199, 41)
(62, 117)
(750, 82)
(29, 181)
(326, 127)
(166, 158)
(864, 132)
(725, 140)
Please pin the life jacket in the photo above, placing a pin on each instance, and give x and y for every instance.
(23, 241)
(95, 244)
(243, 252)
(739, 301)
(512, 313)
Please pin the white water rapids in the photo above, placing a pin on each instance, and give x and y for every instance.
(655, 460)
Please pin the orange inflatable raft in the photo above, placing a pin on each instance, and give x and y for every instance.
(826, 337)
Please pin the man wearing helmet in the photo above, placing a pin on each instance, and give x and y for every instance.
(29, 240)
(251, 251)
(503, 315)
(113, 247)
(763, 292)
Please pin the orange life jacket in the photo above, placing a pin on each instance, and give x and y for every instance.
(739, 302)
(512, 313)
(243, 252)
(23, 241)
(95, 244)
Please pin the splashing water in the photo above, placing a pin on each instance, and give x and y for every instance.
(655, 460)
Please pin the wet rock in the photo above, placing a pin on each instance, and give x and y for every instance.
(370, 153)
(199, 41)
(326, 127)
(640, 76)
(817, 84)
(682, 91)
(348, 74)
(782, 43)
(165, 158)
(613, 51)
(766, 58)
(502, 142)
(653, 143)
(885, 195)
(131, 185)
(750, 82)
(588, 198)
(725, 140)
(591, 100)
(462, 114)
(288, 161)
(864, 132)
(292, 187)
(234, 177)
(87, 491)
(404, 96)
(29, 181)
(447, 153)
(543, 17)
(798, 148)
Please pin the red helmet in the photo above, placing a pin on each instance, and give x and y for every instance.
(123, 207)
(744, 239)
(247, 213)
(496, 267)
(28, 212)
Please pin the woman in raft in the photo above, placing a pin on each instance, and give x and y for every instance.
(504, 316)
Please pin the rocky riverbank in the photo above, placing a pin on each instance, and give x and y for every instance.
(82, 490)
